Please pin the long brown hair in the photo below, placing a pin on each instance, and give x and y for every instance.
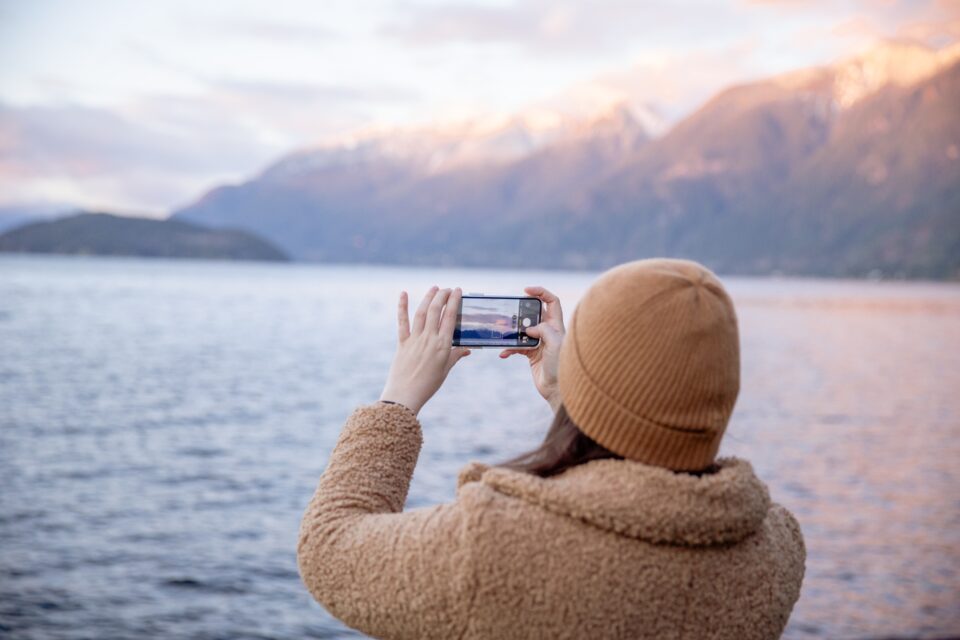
(563, 447)
(566, 446)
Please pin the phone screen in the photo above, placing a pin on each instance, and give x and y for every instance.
(487, 321)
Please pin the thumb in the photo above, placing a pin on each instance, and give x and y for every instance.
(543, 331)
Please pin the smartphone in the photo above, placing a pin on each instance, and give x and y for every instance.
(496, 321)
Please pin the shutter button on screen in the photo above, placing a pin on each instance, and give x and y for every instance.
(526, 322)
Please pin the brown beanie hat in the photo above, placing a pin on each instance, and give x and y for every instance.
(650, 366)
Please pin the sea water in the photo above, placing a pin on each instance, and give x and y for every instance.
(163, 424)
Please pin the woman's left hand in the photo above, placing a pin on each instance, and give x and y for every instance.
(424, 353)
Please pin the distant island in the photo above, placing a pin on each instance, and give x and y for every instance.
(106, 234)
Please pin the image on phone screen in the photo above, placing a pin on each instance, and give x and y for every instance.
(496, 322)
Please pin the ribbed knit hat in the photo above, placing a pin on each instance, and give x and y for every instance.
(650, 366)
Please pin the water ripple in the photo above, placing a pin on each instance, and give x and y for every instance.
(162, 425)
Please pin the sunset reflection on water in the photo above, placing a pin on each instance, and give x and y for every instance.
(851, 408)
(163, 424)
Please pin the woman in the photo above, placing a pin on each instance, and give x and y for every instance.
(623, 524)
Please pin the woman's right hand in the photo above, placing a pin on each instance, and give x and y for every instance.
(545, 359)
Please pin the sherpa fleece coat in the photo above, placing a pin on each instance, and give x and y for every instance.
(607, 549)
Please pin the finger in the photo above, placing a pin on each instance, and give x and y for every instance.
(543, 331)
(420, 317)
(450, 312)
(403, 318)
(543, 294)
(506, 353)
(435, 309)
(553, 310)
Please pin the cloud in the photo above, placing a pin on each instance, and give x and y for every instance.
(284, 108)
(311, 92)
(97, 157)
(938, 26)
(163, 150)
(271, 30)
(250, 84)
(557, 28)
(447, 23)
(180, 99)
(669, 84)
(932, 22)
(582, 26)
(156, 150)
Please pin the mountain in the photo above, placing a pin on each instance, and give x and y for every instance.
(16, 215)
(850, 169)
(884, 191)
(382, 198)
(820, 172)
(434, 149)
(106, 234)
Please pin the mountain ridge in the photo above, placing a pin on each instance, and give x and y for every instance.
(719, 186)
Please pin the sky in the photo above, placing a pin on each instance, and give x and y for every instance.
(140, 107)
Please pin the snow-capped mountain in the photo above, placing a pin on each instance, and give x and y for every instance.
(850, 169)
(891, 64)
(444, 146)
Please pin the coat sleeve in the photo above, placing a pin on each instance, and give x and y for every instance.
(389, 573)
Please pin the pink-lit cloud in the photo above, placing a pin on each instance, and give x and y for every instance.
(145, 105)
(563, 28)
(63, 152)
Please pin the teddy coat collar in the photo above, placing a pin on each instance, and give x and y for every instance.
(642, 501)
